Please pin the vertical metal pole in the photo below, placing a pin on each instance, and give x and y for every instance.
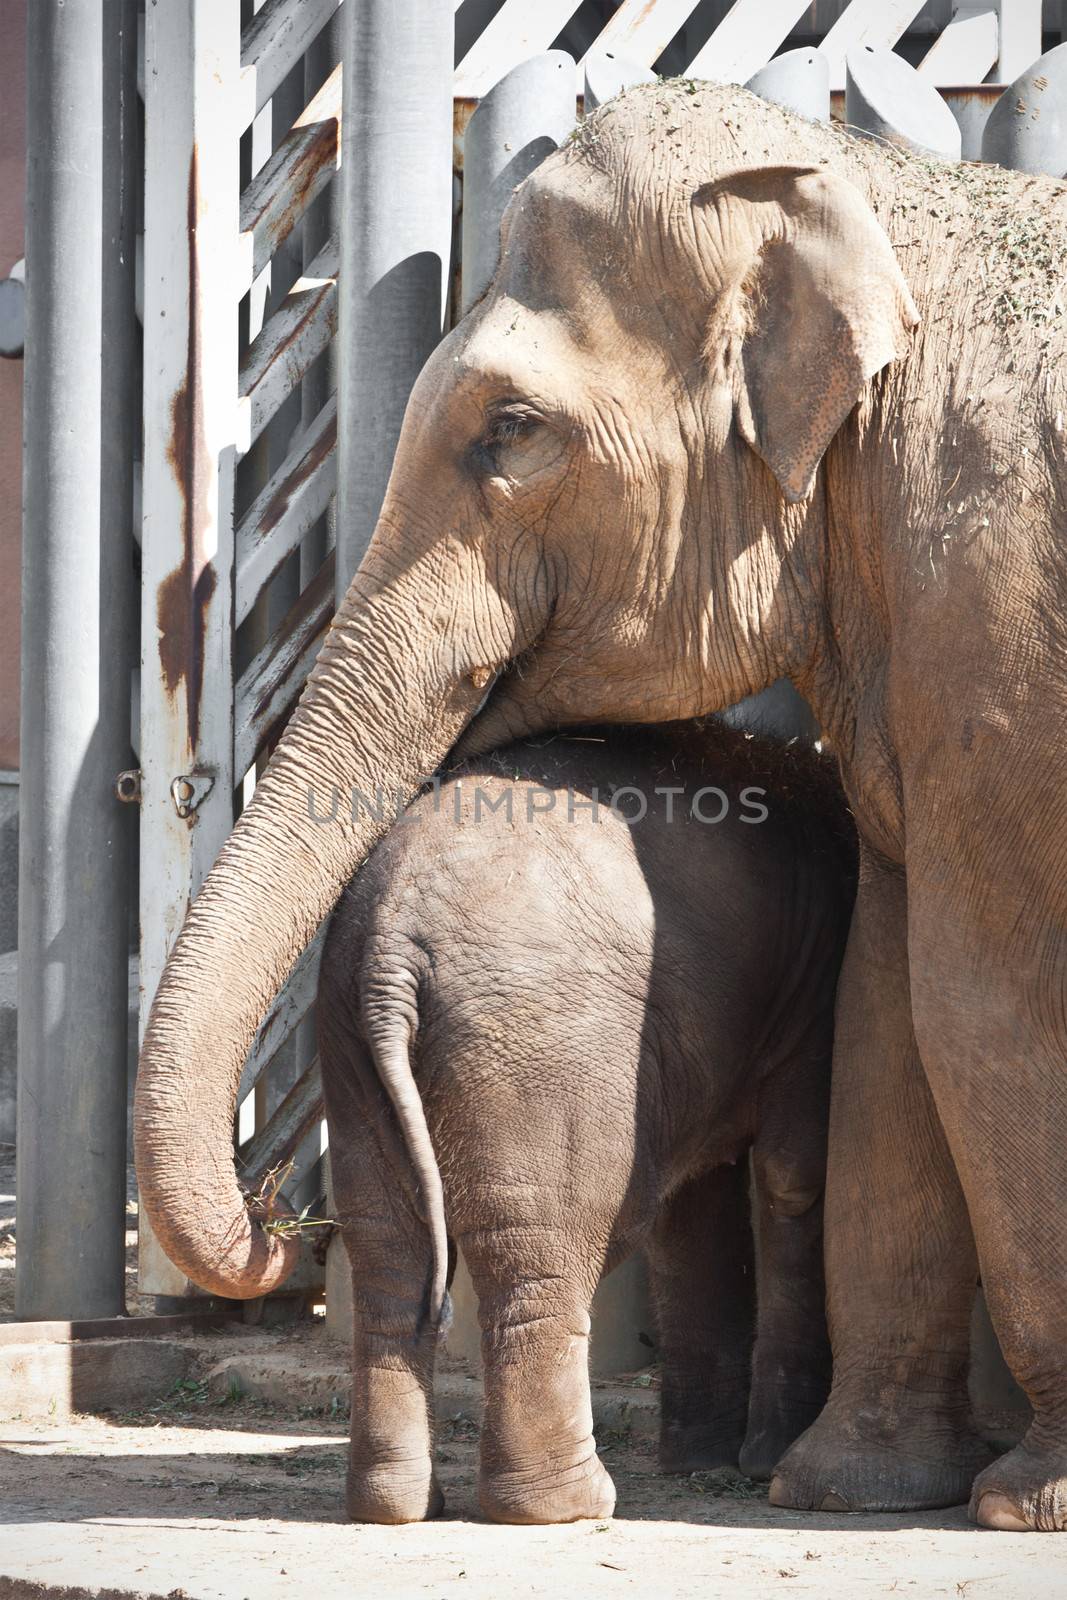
(287, 264)
(396, 235)
(522, 119)
(320, 222)
(1020, 38)
(191, 419)
(77, 552)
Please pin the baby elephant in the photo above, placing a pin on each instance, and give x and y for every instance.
(559, 1006)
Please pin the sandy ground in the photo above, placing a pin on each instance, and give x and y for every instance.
(212, 1494)
(240, 1500)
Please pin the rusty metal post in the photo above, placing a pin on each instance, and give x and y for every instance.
(76, 590)
(192, 418)
(396, 239)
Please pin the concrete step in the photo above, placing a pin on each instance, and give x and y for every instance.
(55, 1381)
(58, 1370)
(299, 1377)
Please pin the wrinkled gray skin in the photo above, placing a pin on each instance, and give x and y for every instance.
(601, 1020)
(747, 398)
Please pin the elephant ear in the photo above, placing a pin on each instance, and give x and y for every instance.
(819, 306)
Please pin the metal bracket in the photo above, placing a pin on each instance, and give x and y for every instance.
(189, 789)
(128, 786)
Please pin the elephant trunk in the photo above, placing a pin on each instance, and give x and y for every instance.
(380, 710)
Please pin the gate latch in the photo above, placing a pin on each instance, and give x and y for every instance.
(189, 789)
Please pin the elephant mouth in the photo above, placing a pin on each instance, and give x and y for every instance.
(482, 732)
(504, 712)
(499, 718)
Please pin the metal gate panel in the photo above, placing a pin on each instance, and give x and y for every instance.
(966, 50)
(273, 43)
(190, 390)
(747, 34)
(745, 40)
(206, 245)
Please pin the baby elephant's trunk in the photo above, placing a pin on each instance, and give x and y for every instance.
(389, 1037)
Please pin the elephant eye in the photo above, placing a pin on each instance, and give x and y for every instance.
(517, 444)
(506, 426)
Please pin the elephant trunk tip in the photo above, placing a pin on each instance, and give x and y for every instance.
(245, 1261)
(232, 1243)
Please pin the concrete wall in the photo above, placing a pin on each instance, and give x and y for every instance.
(12, 190)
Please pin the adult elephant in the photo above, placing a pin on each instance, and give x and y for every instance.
(696, 438)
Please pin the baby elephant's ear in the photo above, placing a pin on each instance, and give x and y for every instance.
(818, 305)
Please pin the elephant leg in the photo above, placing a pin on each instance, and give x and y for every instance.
(390, 1469)
(538, 1459)
(896, 1433)
(992, 1026)
(791, 1364)
(700, 1258)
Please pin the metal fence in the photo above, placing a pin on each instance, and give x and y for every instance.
(241, 553)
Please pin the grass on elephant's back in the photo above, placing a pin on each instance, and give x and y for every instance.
(1015, 224)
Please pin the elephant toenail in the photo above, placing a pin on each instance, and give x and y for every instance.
(833, 1502)
(997, 1511)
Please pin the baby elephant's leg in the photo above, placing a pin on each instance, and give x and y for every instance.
(700, 1259)
(791, 1365)
(390, 1470)
(539, 1460)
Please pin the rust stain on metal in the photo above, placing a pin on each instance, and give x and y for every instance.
(305, 469)
(635, 24)
(983, 94)
(314, 159)
(183, 597)
(463, 109)
(315, 297)
(263, 358)
(320, 153)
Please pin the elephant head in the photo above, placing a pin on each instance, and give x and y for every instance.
(606, 503)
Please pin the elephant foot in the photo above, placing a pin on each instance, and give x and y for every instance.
(898, 1456)
(585, 1490)
(697, 1447)
(1024, 1492)
(392, 1494)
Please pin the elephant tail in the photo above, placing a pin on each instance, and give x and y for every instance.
(389, 1034)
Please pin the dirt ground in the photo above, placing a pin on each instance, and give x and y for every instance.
(233, 1498)
(215, 1493)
